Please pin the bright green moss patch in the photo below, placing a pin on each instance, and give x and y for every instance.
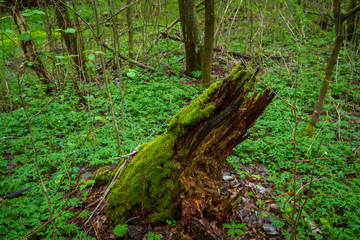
(195, 112)
(236, 72)
(244, 78)
(147, 182)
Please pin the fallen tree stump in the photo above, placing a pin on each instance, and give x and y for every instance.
(176, 176)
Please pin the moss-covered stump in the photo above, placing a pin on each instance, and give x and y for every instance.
(177, 174)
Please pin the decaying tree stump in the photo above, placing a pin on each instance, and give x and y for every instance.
(177, 174)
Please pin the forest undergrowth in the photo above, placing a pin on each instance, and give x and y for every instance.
(74, 135)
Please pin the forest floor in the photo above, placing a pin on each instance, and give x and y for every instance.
(259, 173)
(251, 189)
(256, 210)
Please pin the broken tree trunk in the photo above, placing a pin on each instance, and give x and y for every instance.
(177, 175)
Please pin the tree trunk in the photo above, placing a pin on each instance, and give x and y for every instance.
(177, 175)
(191, 34)
(71, 40)
(28, 47)
(352, 24)
(339, 19)
(208, 43)
(130, 29)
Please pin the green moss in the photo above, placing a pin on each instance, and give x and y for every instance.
(104, 175)
(235, 73)
(308, 131)
(244, 79)
(195, 112)
(147, 182)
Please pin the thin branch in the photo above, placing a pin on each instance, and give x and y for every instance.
(113, 181)
(350, 13)
(136, 63)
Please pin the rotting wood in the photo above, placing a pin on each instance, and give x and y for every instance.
(177, 175)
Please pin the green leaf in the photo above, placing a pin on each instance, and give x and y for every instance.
(26, 14)
(70, 30)
(58, 179)
(120, 230)
(100, 52)
(131, 74)
(84, 213)
(323, 220)
(59, 57)
(91, 57)
(88, 64)
(227, 225)
(91, 182)
(25, 36)
(38, 12)
(231, 232)
(9, 31)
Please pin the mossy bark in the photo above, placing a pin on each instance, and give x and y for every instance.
(177, 175)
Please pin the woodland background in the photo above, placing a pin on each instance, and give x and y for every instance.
(91, 106)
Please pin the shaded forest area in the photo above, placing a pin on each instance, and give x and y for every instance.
(146, 119)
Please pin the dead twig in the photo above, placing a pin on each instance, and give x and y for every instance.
(113, 181)
(136, 63)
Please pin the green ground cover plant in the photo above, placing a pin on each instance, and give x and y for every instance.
(71, 137)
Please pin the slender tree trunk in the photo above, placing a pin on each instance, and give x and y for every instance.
(28, 47)
(248, 30)
(177, 175)
(191, 34)
(50, 39)
(71, 41)
(105, 75)
(339, 18)
(116, 44)
(130, 29)
(352, 24)
(208, 43)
